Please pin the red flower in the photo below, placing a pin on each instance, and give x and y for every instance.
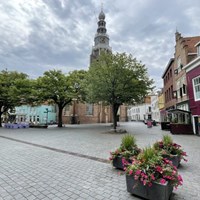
(159, 169)
(152, 177)
(162, 181)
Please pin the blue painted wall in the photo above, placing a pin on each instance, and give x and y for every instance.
(36, 114)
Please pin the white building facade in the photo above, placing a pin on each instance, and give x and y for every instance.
(139, 112)
(155, 111)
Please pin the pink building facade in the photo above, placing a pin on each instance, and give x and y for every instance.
(193, 87)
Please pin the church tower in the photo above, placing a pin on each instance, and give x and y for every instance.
(86, 113)
(101, 39)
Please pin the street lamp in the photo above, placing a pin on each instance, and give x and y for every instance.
(47, 111)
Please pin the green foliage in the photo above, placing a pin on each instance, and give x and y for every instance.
(56, 87)
(168, 148)
(167, 140)
(128, 142)
(149, 166)
(14, 89)
(149, 156)
(127, 149)
(117, 79)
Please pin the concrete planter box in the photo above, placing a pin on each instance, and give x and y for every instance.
(117, 163)
(155, 192)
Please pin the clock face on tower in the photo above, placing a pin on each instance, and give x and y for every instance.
(102, 40)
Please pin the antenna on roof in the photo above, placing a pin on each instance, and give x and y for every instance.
(101, 6)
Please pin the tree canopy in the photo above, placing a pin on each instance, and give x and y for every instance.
(58, 88)
(14, 88)
(116, 79)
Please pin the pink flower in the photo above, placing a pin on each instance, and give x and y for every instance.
(180, 178)
(184, 154)
(144, 182)
(124, 161)
(130, 172)
(138, 172)
(152, 177)
(162, 181)
(159, 169)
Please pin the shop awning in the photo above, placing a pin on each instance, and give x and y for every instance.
(178, 111)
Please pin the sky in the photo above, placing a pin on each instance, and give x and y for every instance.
(42, 35)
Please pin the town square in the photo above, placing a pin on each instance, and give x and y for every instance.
(73, 162)
(99, 100)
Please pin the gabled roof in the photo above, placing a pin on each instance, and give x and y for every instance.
(168, 66)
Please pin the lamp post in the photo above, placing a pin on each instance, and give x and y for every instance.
(47, 111)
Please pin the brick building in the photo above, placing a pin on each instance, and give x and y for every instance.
(175, 83)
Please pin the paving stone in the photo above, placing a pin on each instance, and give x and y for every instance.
(32, 172)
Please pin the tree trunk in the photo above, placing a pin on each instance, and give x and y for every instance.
(60, 108)
(115, 109)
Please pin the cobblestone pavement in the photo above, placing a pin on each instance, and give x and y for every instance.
(71, 162)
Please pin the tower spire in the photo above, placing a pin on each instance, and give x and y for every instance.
(101, 39)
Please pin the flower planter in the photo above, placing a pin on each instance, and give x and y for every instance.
(155, 192)
(117, 163)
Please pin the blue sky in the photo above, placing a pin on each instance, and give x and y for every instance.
(40, 35)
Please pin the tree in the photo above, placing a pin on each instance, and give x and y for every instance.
(56, 87)
(14, 87)
(116, 79)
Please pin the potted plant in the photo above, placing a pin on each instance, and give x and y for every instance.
(170, 150)
(123, 155)
(151, 176)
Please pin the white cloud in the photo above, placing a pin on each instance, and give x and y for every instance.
(39, 35)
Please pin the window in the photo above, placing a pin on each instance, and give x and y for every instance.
(89, 109)
(196, 88)
(184, 89)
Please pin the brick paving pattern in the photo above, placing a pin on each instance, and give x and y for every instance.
(71, 163)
